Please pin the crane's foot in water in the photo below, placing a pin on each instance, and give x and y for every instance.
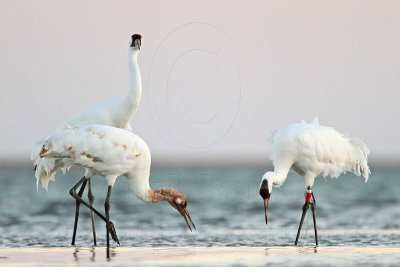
(113, 233)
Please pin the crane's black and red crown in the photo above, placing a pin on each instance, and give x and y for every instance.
(264, 191)
(136, 37)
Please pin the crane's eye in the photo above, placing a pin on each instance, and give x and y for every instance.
(178, 201)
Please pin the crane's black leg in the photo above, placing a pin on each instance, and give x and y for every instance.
(305, 209)
(83, 181)
(314, 213)
(91, 199)
(111, 225)
(306, 205)
(107, 209)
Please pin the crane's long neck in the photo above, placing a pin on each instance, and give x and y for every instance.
(135, 86)
(281, 170)
(139, 184)
(279, 176)
(159, 195)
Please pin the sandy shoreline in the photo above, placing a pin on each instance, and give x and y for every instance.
(177, 256)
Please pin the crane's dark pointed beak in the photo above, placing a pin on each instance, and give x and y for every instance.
(266, 203)
(185, 213)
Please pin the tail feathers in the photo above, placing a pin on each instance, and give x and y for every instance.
(37, 147)
(360, 164)
(45, 172)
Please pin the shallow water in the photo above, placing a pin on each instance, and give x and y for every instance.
(224, 204)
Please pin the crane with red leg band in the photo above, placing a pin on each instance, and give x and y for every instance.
(312, 150)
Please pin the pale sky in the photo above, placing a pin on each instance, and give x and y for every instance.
(218, 76)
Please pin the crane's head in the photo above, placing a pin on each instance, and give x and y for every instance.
(136, 41)
(178, 201)
(265, 191)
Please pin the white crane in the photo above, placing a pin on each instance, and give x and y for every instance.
(312, 150)
(111, 152)
(115, 112)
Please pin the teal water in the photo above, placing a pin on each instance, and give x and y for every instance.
(224, 204)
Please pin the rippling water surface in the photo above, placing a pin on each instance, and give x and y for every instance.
(224, 204)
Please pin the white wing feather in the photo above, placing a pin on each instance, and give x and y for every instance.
(312, 150)
(105, 150)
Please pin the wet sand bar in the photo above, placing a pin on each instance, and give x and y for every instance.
(195, 255)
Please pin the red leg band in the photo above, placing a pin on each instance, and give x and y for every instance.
(308, 196)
